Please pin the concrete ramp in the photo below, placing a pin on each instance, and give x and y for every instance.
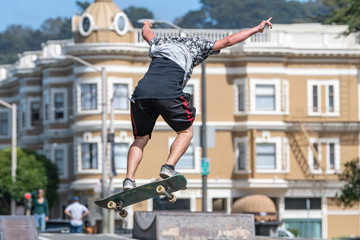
(180, 225)
(18, 227)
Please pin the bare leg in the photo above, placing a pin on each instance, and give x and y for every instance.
(179, 146)
(135, 155)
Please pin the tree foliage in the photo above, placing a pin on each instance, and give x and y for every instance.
(350, 193)
(33, 172)
(136, 13)
(345, 12)
(82, 5)
(248, 13)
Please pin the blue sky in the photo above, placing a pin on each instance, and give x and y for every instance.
(32, 13)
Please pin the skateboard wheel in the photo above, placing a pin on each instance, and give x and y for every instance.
(123, 213)
(173, 198)
(160, 189)
(111, 205)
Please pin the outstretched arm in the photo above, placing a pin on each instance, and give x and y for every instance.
(147, 33)
(240, 36)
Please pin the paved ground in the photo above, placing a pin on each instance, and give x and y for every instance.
(64, 236)
(59, 236)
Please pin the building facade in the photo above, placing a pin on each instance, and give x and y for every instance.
(282, 117)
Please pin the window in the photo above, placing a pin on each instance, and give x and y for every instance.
(46, 105)
(332, 156)
(315, 99)
(265, 156)
(315, 163)
(241, 157)
(301, 203)
(121, 93)
(307, 228)
(89, 156)
(189, 88)
(88, 96)
(35, 112)
(331, 99)
(120, 155)
(59, 160)
(187, 160)
(241, 97)
(4, 124)
(59, 102)
(323, 91)
(23, 112)
(265, 97)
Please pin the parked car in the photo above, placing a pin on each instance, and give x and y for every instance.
(58, 226)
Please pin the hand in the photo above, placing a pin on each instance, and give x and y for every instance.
(262, 25)
(147, 23)
(46, 219)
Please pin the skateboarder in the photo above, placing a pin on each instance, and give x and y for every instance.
(160, 92)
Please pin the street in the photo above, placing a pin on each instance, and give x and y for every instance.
(60, 236)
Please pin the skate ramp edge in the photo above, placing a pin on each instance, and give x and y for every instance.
(18, 227)
(180, 225)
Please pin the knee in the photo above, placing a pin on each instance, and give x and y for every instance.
(141, 141)
(188, 132)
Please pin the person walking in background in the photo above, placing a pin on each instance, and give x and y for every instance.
(76, 211)
(40, 209)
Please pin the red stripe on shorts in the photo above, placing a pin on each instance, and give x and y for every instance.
(186, 105)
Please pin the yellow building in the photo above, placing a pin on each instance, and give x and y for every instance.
(282, 115)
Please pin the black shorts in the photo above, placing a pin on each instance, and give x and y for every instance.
(177, 113)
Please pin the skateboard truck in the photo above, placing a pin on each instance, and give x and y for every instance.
(118, 207)
(161, 190)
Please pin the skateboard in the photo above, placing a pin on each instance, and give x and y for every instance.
(125, 198)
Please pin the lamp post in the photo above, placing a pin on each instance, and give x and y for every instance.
(13, 149)
(205, 160)
(104, 189)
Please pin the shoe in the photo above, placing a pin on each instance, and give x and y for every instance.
(166, 172)
(128, 184)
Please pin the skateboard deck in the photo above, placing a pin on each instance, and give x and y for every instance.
(125, 198)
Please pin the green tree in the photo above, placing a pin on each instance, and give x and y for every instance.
(247, 13)
(345, 12)
(33, 171)
(136, 13)
(350, 193)
(82, 5)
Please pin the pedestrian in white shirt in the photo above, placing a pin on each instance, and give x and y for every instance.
(76, 211)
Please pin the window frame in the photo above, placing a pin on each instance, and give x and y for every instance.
(63, 147)
(237, 83)
(276, 83)
(335, 83)
(88, 138)
(278, 141)
(245, 141)
(9, 127)
(78, 105)
(311, 158)
(52, 103)
(123, 138)
(110, 91)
